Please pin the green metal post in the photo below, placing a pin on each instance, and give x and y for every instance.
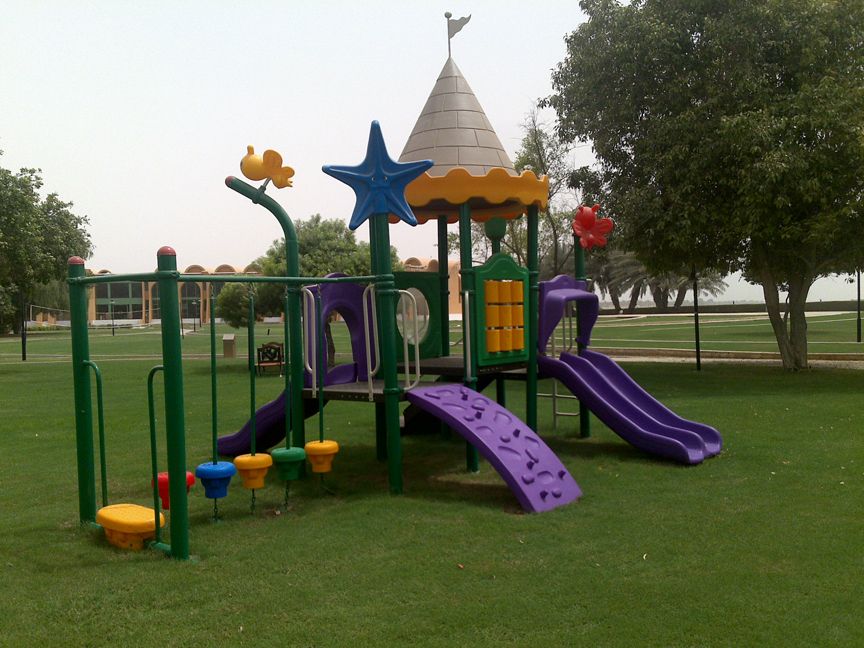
(444, 288)
(386, 295)
(214, 409)
(579, 261)
(100, 417)
(469, 334)
(444, 284)
(380, 432)
(292, 266)
(531, 320)
(250, 362)
(175, 424)
(83, 398)
(154, 456)
(286, 334)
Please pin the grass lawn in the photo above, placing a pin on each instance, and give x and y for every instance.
(832, 333)
(758, 546)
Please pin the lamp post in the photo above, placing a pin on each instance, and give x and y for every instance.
(858, 275)
(194, 313)
(111, 310)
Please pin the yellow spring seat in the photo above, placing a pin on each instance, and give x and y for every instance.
(128, 525)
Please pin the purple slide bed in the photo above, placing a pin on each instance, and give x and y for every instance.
(625, 418)
(621, 380)
(532, 471)
(269, 428)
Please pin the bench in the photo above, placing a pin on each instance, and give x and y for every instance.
(271, 354)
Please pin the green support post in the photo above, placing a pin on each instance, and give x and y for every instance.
(287, 394)
(444, 287)
(250, 364)
(469, 334)
(172, 360)
(386, 296)
(83, 397)
(531, 320)
(214, 409)
(579, 260)
(444, 284)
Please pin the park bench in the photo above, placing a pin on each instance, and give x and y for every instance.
(271, 354)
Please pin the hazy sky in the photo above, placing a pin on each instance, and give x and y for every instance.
(136, 111)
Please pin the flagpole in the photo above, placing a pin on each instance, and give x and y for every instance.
(447, 16)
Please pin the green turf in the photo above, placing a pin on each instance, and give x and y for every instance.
(759, 546)
(832, 333)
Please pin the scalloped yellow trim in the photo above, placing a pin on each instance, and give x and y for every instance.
(458, 186)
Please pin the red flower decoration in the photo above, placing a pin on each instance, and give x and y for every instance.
(590, 229)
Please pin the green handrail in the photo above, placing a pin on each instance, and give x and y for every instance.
(100, 414)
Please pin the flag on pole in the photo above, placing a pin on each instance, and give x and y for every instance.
(455, 26)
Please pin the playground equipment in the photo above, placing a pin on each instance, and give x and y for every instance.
(507, 321)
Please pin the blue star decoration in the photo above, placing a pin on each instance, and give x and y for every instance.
(379, 182)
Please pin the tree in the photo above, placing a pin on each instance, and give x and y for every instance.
(37, 236)
(728, 136)
(232, 305)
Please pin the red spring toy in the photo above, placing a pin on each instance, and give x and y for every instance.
(163, 487)
(590, 229)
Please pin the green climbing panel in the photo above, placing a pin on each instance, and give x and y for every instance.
(502, 304)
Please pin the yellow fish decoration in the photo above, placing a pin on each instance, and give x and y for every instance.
(266, 167)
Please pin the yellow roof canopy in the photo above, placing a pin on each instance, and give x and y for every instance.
(471, 165)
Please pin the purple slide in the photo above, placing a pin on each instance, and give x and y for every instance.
(607, 390)
(623, 417)
(532, 471)
(647, 403)
(269, 428)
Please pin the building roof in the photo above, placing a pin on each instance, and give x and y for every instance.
(453, 130)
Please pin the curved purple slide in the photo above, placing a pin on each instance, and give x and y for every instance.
(622, 416)
(622, 381)
(269, 428)
(532, 471)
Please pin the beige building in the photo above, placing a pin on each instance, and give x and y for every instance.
(138, 301)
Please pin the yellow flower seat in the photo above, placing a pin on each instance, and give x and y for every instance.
(128, 525)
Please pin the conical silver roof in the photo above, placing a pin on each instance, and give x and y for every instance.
(453, 130)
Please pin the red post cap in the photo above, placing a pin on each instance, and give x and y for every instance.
(166, 250)
(229, 180)
(75, 260)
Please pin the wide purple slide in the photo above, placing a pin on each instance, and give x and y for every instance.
(269, 428)
(621, 415)
(531, 470)
(622, 381)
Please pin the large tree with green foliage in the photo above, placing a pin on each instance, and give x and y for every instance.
(728, 135)
(37, 236)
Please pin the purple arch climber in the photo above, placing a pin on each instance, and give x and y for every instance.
(534, 474)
